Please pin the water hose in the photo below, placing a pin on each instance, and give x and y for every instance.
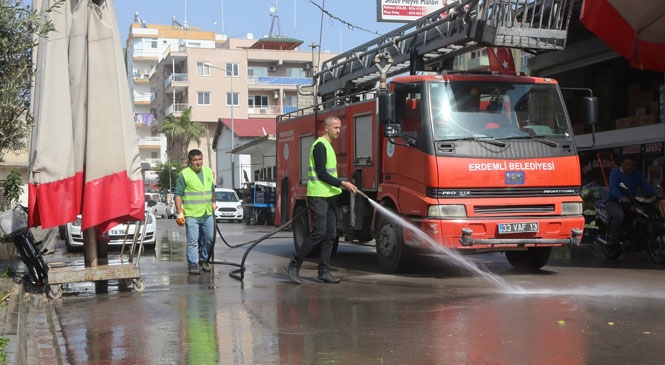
(239, 273)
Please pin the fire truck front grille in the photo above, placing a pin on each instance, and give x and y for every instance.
(503, 209)
(439, 193)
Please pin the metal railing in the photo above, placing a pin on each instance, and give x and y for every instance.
(176, 108)
(175, 77)
(460, 27)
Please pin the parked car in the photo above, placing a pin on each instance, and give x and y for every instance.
(171, 210)
(156, 205)
(229, 206)
(74, 236)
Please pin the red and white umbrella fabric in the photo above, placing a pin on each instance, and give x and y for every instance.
(84, 156)
(635, 29)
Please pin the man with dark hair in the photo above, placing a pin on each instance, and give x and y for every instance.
(624, 182)
(195, 204)
(323, 188)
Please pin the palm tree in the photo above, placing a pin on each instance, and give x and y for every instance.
(180, 131)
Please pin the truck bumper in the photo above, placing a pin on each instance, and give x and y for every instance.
(573, 240)
(483, 235)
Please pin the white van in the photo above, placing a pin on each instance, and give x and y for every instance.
(229, 206)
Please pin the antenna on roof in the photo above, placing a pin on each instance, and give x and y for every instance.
(275, 20)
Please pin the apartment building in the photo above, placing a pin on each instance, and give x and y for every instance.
(146, 45)
(233, 89)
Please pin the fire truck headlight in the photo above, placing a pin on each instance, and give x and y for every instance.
(447, 211)
(572, 208)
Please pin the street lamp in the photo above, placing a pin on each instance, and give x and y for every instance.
(233, 135)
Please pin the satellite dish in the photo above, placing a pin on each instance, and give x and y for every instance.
(250, 36)
(181, 43)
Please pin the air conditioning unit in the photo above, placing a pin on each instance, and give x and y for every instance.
(272, 68)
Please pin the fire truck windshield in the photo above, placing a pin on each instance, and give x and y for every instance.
(496, 110)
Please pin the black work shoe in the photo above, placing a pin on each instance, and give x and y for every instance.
(325, 277)
(194, 270)
(294, 273)
(205, 266)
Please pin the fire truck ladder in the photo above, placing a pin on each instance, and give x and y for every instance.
(460, 27)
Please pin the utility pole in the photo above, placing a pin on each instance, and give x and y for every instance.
(315, 69)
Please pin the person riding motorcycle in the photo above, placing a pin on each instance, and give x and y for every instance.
(624, 182)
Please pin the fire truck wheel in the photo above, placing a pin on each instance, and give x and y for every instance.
(390, 249)
(530, 260)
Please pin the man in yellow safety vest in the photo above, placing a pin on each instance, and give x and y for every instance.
(195, 207)
(323, 188)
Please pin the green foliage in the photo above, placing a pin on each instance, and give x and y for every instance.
(13, 188)
(163, 170)
(4, 341)
(180, 131)
(18, 25)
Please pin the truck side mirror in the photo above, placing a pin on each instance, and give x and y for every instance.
(392, 130)
(386, 108)
(591, 110)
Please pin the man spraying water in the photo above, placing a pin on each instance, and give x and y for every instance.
(323, 188)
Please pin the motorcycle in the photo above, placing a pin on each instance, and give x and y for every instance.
(643, 229)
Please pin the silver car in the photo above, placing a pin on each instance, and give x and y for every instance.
(74, 236)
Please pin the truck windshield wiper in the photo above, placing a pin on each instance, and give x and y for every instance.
(540, 139)
(488, 140)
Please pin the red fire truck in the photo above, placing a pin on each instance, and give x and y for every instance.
(479, 162)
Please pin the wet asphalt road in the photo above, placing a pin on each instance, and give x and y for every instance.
(581, 309)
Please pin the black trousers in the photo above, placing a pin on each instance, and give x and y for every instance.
(618, 217)
(324, 231)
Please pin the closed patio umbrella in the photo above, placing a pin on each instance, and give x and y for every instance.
(635, 29)
(84, 156)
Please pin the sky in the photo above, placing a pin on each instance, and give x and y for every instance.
(300, 19)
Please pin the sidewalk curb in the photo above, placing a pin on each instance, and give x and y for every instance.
(33, 328)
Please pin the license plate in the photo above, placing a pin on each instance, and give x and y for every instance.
(505, 228)
(117, 232)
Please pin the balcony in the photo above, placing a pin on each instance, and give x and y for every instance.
(271, 109)
(150, 142)
(143, 119)
(176, 109)
(176, 79)
(478, 63)
(152, 161)
(142, 98)
(278, 80)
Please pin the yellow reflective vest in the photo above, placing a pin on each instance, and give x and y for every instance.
(197, 198)
(316, 187)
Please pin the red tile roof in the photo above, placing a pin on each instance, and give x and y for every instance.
(250, 127)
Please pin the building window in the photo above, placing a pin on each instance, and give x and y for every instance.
(295, 72)
(233, 99)
(257, 71)
(232, 70)
(524, 58)
(258, 101)
(203, 97)
(202, 69)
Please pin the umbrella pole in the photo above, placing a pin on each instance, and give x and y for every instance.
(90, 247)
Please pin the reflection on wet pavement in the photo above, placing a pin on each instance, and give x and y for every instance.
(436, 315)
